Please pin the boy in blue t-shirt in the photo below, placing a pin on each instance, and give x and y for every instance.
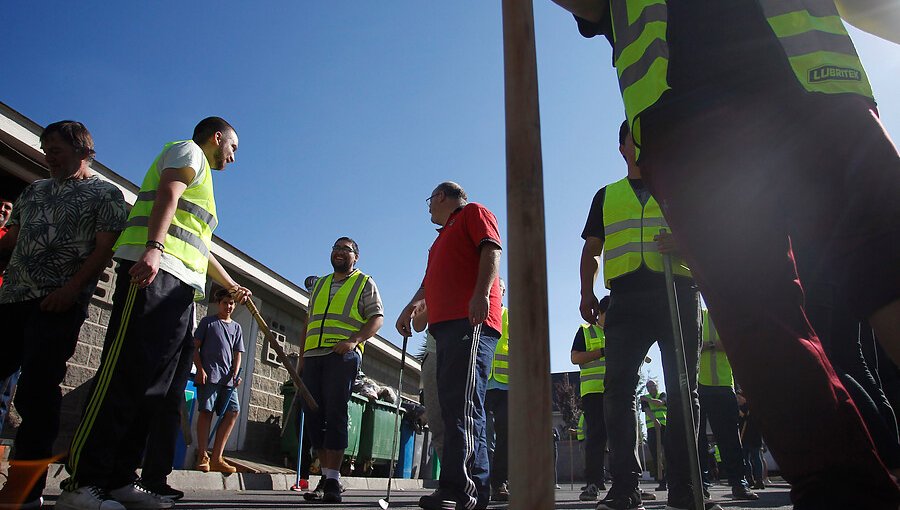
(219, 343)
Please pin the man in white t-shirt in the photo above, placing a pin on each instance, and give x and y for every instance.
(164, 257)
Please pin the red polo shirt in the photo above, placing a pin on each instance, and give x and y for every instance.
(453, 266)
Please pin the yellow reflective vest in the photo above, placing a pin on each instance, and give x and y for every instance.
(629, 228)
(715, 370)
(579, 432)
(500, 365)
(811, 33)
(654, 410)
(593, 373)
(189, 237)
(333, 319)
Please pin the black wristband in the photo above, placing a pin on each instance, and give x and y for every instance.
(155, 244)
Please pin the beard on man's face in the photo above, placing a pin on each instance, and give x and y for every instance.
(341, 266)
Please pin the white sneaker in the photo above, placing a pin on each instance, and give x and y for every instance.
(135, 497)
(86, 498)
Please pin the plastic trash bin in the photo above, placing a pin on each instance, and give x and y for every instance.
(187, 419)
(403, 468)
(290, 434)
(377, 435)
(355, 410)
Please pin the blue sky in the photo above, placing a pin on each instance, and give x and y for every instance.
(349, 113)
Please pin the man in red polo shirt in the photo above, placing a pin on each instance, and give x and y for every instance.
(462, 293)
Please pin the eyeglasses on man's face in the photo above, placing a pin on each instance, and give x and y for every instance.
(344, 249)
(429, 199)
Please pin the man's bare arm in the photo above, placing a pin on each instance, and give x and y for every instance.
(172, 183)
(64, 297)
(366, 332)
(221, 276)
(488, 270)
(403, 321)
(420, 318)
(590, 266)
(584, 357)
(591, 10)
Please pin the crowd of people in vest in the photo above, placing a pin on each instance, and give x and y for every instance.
(62, 234)
(755, 162)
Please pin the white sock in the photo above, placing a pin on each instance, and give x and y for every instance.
(331, 473)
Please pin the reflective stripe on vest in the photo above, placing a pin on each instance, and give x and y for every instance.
(189, 237)
(629, 229)
(641, 55)
(333, 319)
(715, 369)
(657, 410)
(500, 365)
(817, 46)
(811, 33)
(592, 374)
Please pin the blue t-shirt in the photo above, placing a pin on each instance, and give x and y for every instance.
(219, 340)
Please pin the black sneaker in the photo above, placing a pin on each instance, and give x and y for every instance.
(661, 487)
(741, 491)
(687, 503)
(163, 489)
(590, 493)
(647, 496)
(331, 491)
(627, 501)
(318, 493)
(500, 493)
(435, 500)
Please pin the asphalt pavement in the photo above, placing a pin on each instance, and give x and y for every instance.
(775, 497)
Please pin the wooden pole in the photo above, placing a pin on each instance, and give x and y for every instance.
(531, 438)
(282, 356)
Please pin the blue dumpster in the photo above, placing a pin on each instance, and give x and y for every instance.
(404, 466)
(190, 398)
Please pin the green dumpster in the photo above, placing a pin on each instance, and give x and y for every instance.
(355, 411)
(289, 434)
(377, 435)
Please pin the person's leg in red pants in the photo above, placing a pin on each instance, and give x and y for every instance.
(735, 184)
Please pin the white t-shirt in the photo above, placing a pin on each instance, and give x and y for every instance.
(180, 155)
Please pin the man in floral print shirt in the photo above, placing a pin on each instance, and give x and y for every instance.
(60, 239)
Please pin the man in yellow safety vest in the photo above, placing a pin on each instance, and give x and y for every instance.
(345, 310)
(589, 353)
(496, 408)
(164, 257)
(718, 406)
(624, 224)
(756, 127)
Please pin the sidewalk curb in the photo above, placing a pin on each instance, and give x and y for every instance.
(189, 480)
